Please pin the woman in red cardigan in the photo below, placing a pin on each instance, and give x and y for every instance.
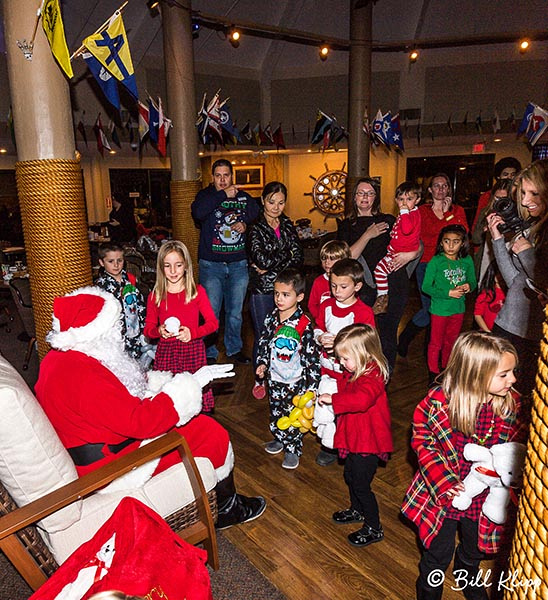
(435, 215)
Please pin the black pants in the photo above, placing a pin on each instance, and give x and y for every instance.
(358, 475)
(436, 559)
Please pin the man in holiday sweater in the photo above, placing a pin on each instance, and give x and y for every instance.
(101, 405)
(223, 212)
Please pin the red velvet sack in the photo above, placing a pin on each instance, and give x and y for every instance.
(149, 560)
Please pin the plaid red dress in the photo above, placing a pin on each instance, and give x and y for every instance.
(441, 467)
(178, 357)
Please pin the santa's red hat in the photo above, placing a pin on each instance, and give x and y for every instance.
(82, 316)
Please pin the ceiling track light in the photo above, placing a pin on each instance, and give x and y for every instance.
(152, 6)
(324, 52)
(234, 37)
(413, 55)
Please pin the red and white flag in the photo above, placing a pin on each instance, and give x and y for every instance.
(102, 141)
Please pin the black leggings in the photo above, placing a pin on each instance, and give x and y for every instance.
(358, 475)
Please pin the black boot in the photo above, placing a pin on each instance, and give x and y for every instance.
(407, 336)
(466, 577)
(235, 508)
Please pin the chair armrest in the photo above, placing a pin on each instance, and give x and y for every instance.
(91, 482)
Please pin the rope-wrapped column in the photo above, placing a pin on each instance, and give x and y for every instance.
(184, 229)
(53, 215)
(527, 576)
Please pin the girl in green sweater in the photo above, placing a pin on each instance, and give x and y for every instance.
(449, 276)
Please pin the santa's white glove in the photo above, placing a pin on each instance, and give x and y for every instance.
(206, 374)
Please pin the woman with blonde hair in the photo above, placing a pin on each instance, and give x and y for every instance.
(174, 308)
(523, 268)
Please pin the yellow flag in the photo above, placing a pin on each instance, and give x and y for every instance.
(52, 24)
(111, 49)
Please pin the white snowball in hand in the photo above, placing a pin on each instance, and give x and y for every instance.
(172, 324)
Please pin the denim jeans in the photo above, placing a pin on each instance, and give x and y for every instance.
(260, 306)
(226, 283)
(422, 317)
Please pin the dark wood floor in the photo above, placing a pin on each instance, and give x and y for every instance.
(295, 543)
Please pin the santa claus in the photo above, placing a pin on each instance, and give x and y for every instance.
(102, 404)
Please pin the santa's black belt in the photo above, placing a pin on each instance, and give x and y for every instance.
(87, 454)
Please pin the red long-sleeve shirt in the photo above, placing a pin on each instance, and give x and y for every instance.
(189, 314)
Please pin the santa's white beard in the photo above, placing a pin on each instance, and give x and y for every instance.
(109, 350)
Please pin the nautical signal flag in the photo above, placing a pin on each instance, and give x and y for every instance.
(52, 24)
(144, 118)
(104, 79)
(537, 126)
(110, 47)
(102, 141)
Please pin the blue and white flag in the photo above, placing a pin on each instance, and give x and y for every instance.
(104, 79)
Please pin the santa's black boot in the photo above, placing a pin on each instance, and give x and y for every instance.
(235, 508)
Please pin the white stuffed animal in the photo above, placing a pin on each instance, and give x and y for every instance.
(498, 468)
(324, 417)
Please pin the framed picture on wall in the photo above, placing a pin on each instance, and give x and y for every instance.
(249, 176)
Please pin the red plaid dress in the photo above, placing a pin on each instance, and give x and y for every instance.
(441, 467)
(178, 357)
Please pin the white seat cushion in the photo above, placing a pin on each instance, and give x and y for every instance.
(33, 461)
(166, 493)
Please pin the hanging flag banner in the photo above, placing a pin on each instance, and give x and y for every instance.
(52, 24)
(104, 79)
(110, 47)
(143, 120)
(537, 126)
(102, 141)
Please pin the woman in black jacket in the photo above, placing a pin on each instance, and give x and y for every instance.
(272, 246)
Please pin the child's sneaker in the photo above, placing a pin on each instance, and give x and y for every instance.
(348, 515)
(291, 461)
(274, 447)
(365, 536)
(381, 305)
(259, 391)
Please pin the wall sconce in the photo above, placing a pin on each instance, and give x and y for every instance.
(234, 37)
(524, 46)
(324, 52)
(152, 6)
(413, 55)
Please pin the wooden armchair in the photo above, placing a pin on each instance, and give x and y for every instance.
(28, 554)
(48, 511)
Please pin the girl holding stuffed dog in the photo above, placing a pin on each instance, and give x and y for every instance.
(474, 403)
(363, 435)
(174, 308)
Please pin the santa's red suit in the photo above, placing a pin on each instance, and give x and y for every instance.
(102, 406)
(87, 404)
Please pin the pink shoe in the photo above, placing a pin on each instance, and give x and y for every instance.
(259, 391)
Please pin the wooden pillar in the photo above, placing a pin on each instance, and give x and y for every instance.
(185, 164)
(359, 94)
(49, 180)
